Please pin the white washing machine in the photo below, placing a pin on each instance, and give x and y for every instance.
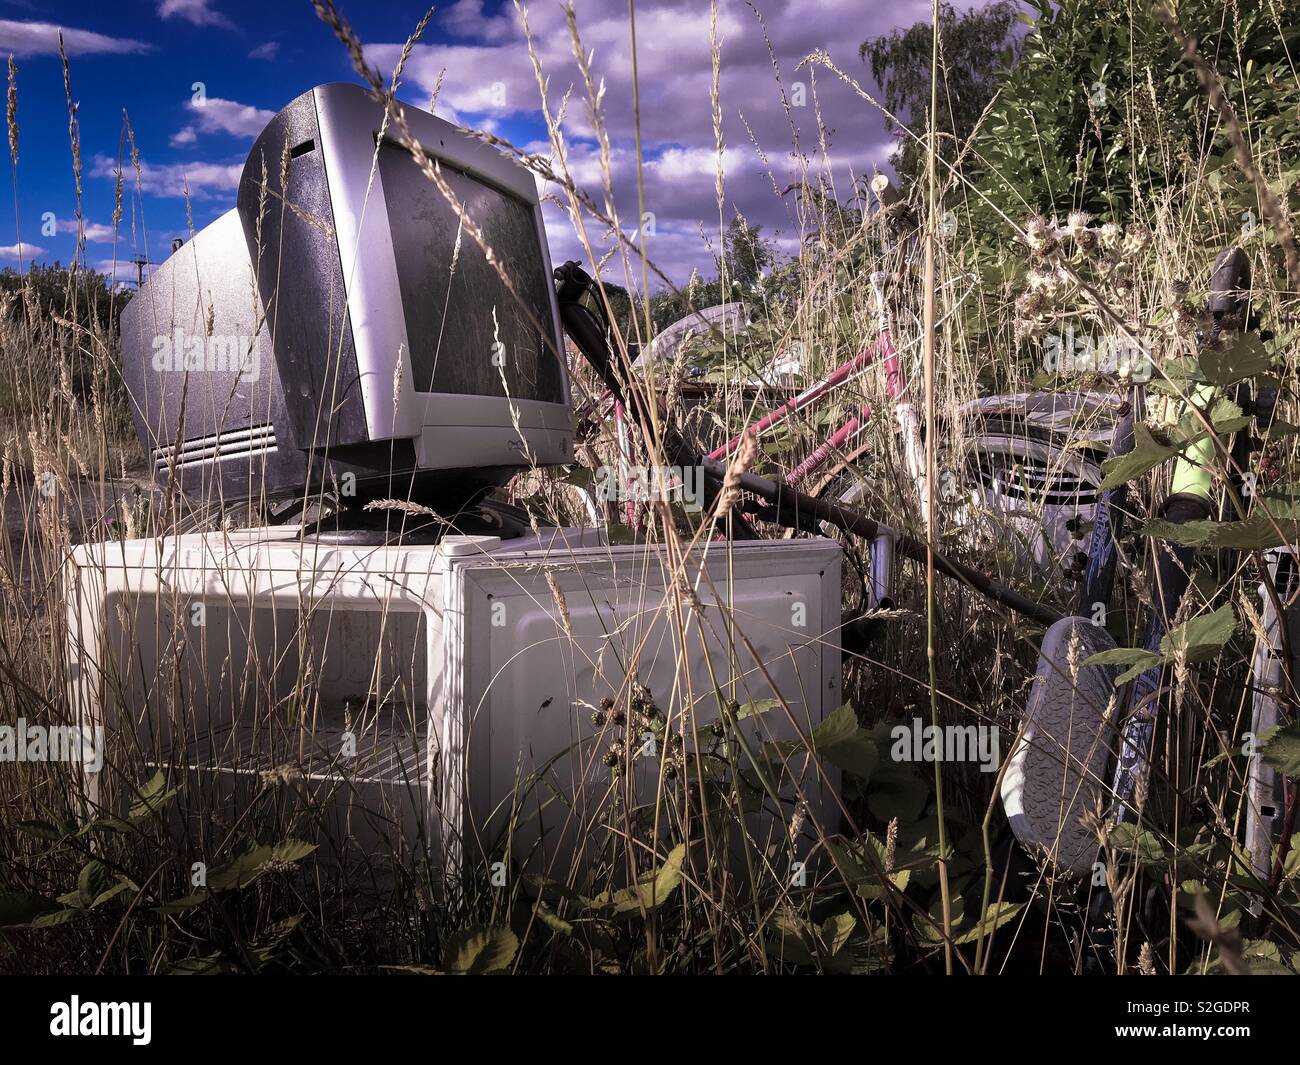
(441, 698)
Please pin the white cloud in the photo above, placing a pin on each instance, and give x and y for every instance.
(42, 38)
(205, 180)
(215, 115)
(265, 51)
(21, 250)
(489, 78)
(226, 116)
(196, 11)
(688, 164)
(96, 232)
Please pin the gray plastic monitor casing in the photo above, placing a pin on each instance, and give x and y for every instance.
(305, 278)
(448, 430)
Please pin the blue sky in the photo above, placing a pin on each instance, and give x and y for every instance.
(145, 56)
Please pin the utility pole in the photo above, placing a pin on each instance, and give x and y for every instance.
(140, 262)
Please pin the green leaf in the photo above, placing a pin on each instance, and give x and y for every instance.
(857, 756)
(41, 830)
(1244, 357)
(152, 797)
(93, 881)
(1291, 866)
(930, 925)
(552, 920)
(1282, 751)
(551, 889)
(240, 873)
(835, 932)
(1147, 454)
(651, 889)
(1271, 523)
(18, 908)
(1138, 659)
(58, 917)
(292, 850)
(839, 739)
(105, 824)
(1139, 842)
(837, 727)
(897, 790)
(863, 872)
(185, 902)
(998, 914)
(845, 744)
(1123, 656)
(253, 863)
(112, 893)
(1262, 958)
(791, 947)
(758, 706)
(1229, 423)
(850, 862)
(480, 949)
(203, 965)
(1201, 637)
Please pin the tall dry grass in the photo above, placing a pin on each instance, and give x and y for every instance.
(105, 885)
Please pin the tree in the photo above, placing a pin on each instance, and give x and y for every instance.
(55, 291)
(976, 49)
(1102, 110)
(42, 299)
(744, 252)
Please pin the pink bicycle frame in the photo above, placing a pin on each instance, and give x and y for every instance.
(810, 395)
(895, 388)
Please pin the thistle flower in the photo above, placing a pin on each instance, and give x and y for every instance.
(1039, 236)
(1031, 304)
(1039, 280)
(1136, 238)
(1111, 236)
(1047, 283)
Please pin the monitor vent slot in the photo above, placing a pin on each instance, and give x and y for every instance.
(237, 443)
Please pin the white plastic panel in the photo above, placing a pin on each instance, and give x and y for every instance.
(518, 716)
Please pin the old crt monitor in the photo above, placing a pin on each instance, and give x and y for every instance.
(341, 322)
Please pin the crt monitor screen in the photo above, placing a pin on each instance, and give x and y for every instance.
(450, 291)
